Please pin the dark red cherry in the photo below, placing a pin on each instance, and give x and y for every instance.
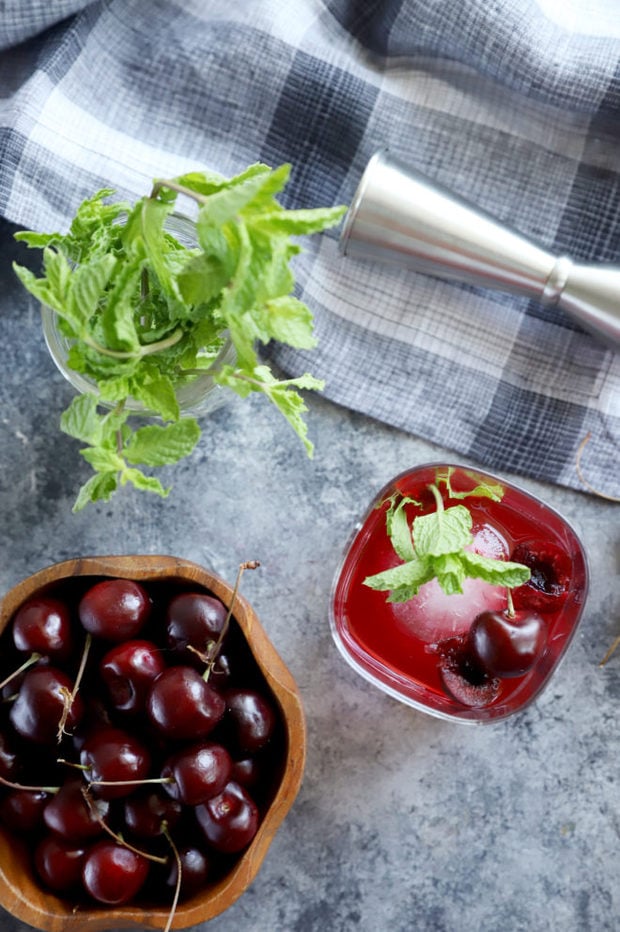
(195, 870)
(113, 873)
(196, 619)
(229, 820)
(115, 761)
(96, 716)
(197, 772)
(550, 569)
(507, 646)
(70, 815)
(9, 758)
(247, 771)
(115, 609)
(464, 680)
(43, 626)
(58, 863)
(128, 671)
(22, 810)
(182, 706)
(251, 718)
(38, 709)
(146, 811)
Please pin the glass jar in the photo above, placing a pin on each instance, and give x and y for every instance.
(198, 397)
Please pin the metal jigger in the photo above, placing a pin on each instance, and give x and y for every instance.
(401, 217)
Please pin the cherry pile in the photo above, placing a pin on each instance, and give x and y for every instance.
(507, 644)
(139, 742)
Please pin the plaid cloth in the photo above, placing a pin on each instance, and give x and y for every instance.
(513, 103)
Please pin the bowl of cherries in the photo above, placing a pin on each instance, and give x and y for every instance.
(458, 593)
(151, 743)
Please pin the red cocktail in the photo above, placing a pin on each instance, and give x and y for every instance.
(478, 654)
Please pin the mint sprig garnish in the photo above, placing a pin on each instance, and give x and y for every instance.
(146, 315)
(435, 546)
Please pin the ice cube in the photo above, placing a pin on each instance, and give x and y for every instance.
(432, 615)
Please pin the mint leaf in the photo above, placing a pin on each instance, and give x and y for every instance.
(495, 572)
(92, 227)
(450, 572)
(283, 394)
(115, 389)
(299, 222)
(99, 487)
(37, 240)
(224, 205)
(87, 284)
(216, 243)
(144, 483)
(201, 182)
(152, 216)
(103, 459)
(118, 318)
(443, 531)
(157, 445)
(238, 301)
(290, 321)
(483, 488)
(81, 421)
(410, 576)
(57, 272)
(405, 593)
(202, 279)
(293, 406)
(158, 396)
(397, 526)
(264, 200)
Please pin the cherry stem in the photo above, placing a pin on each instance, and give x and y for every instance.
(72, 763)
(510, 611)
(214, 649)
(118, 838)
(69, 697)
(199, 653)
(31, 660)
(177, 888)
(611, 651)
(28, 789)
(84, 768)
(130, 782)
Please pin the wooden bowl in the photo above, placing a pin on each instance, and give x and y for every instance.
(24, 898)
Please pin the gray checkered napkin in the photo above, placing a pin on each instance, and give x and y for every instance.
(513, 103)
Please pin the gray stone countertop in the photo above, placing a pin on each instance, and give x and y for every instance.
(403, 821)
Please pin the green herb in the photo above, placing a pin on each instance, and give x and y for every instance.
(435, 547)
(483, 488)
(146, 315)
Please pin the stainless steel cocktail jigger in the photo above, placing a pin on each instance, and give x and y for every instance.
(401, 217)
